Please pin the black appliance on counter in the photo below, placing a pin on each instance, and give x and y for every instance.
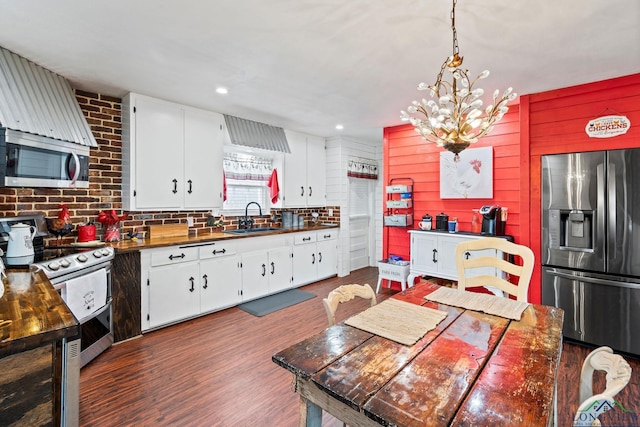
(442, 221)
(492, 223)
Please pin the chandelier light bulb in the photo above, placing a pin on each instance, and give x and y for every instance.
(457, 119)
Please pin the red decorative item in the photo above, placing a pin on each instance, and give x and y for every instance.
(111, 223)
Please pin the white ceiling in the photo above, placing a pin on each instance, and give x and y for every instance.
(308, 65)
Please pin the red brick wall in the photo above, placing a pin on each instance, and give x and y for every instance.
(104, 116)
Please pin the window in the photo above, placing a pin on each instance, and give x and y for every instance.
(246, 180)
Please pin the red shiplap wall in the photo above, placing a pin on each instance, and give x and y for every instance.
(545, 123)
(407, 155)
(556, 124)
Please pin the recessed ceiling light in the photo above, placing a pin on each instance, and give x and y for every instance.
(339, 127)
(222, 90)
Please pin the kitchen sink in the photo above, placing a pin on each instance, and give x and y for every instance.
(252, 230)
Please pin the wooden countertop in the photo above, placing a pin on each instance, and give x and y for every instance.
(36, 312)
(204, 236)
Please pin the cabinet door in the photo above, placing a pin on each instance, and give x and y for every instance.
(279, 269)
(159, 154)
(327, 253)
(316, 172)
(295, 171)
(424, 253)
(203, 159)
(447, 266)
(305, 261)
(219, 283)
(255, 275)
(174, 293)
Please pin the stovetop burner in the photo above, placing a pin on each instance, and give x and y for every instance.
(74, 262)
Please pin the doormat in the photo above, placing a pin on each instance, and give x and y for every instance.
(275, 302)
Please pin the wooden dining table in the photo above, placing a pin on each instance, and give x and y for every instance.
(473, 369)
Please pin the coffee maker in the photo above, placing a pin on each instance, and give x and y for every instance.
(492, 223)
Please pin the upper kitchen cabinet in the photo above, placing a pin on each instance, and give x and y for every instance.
(304, 171)
(171, 156)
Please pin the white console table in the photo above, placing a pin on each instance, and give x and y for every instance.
(433, 253)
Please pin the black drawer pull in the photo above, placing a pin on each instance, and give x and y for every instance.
(191, 279)
(206, 282)
(306, 239)
(216, 252)
(172, 257)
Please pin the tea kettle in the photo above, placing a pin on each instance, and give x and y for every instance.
(20, 240)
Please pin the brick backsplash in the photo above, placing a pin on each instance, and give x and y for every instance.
(103, 113)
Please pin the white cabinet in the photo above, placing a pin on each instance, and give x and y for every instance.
(433, 253)
(186, 281)
(171, 155)
(304, 171)
(172, 290)
(314, 256)
(220, 278)
(265, 272)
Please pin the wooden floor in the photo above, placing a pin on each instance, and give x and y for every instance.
(217, 370)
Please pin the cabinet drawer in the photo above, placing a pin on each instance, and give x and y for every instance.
(217, 250)
(327, 235)
(173, 255)
(303, 238)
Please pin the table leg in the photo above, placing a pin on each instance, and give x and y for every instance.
(310, 414)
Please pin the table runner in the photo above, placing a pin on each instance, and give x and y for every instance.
(399, 321)
(490, 304)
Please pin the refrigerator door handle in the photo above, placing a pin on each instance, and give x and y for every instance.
(595, 280)
(612, 240)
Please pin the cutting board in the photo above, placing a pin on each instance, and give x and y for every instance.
(168, 230)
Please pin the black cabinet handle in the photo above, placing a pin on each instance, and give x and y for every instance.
(264, 270)
(216, 252)
(175, 186)
(190, 187)
(435, 259)
(273, 268)
(467, 255)
(313, 258)
(319, 257)
(301, 191)
(310, 191)
(206, 282)
(191, 279)
(171, 257)
(326, 236)
(306, 239)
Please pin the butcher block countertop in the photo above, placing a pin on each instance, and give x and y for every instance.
(32, 313)
(203, 237)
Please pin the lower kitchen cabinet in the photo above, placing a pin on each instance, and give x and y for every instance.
(265, 272)
(173, 293)
(433, 253)
(314, 256)
(220, 277)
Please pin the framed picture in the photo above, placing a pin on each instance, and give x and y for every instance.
(469, 178)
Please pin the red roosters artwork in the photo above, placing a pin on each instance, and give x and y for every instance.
(60, 226)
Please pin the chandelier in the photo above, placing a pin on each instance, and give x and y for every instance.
(454, 118)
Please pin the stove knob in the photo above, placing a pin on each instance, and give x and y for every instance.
(97, 254)
(65, 263)
(53, 265)
(82, 258)
(105, 252)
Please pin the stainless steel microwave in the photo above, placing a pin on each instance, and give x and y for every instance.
(35, 161)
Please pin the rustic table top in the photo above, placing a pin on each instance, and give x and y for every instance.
(472, 369)
(32, 313)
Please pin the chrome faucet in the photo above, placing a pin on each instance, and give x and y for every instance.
(248, 222)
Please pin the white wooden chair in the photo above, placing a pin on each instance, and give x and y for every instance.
(618, 376)
(346, 293)
(465, 260)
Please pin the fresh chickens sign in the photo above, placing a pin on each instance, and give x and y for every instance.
(607, 126)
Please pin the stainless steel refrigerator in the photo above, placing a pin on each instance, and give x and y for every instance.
(591, 245)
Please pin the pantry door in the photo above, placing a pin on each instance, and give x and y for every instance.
(361, 196)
